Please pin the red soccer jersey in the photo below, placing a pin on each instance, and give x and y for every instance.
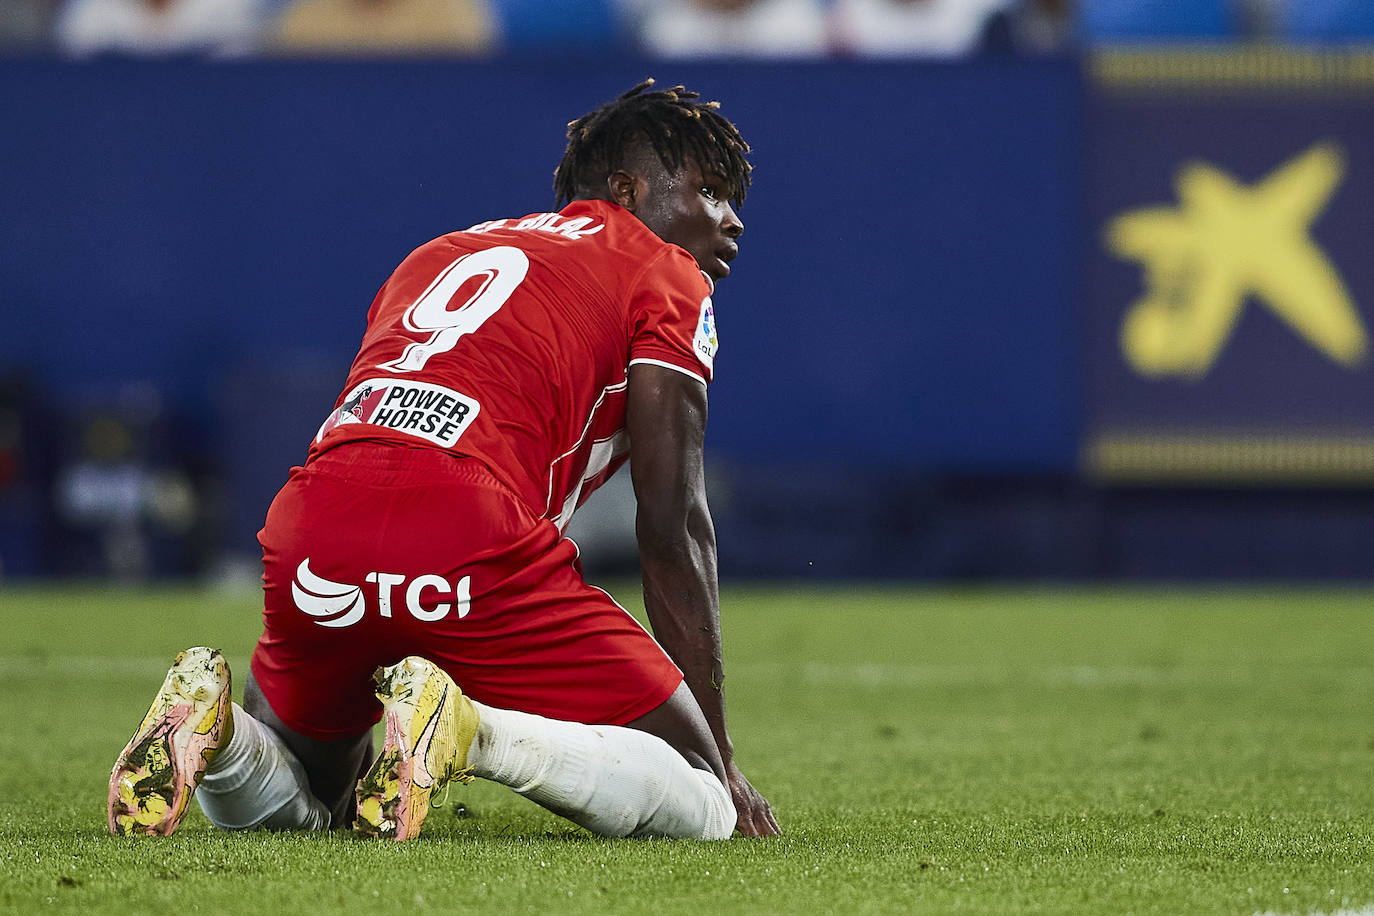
(511, 342)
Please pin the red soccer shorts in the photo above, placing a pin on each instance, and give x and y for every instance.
(372, 553)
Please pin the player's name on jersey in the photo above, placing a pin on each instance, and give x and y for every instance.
(431, 412)
(573, 227)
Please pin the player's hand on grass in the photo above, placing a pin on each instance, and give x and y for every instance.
(754, 816)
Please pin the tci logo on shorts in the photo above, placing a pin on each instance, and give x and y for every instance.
(338, 604)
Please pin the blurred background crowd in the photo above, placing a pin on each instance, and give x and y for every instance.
(668, 28)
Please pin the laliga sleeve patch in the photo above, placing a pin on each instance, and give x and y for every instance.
(704, 342)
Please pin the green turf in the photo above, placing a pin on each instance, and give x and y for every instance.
(929, 750)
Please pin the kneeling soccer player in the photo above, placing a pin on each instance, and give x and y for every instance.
(506, 372)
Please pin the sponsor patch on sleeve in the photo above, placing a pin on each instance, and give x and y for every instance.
(704, 342)
(432, 412)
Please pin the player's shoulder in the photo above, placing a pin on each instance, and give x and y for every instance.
(649, 258)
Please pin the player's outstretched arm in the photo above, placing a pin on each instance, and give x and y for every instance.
(666, 420)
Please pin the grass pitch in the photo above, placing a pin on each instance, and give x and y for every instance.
(926, 750)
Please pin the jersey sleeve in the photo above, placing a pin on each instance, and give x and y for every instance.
(672, 322)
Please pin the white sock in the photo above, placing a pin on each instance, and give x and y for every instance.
(256, 782)
(614, 781)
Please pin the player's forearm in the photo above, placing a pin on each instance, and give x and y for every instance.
(682, 600)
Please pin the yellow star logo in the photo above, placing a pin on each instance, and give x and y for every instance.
(1227, 241)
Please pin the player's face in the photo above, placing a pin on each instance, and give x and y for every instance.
(691, 209)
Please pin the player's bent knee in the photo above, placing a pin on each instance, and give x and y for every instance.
(680, 722)
(720, 809)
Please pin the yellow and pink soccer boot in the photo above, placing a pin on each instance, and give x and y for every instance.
(430, 725)
(158, 770)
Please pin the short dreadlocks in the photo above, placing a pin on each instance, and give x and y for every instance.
(673, 124)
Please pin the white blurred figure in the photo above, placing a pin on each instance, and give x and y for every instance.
(110, 492)
(730, 28)
(153, 28)
(913, 28)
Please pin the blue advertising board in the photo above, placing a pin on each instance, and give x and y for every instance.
(1229, 290)
(216, 232)
(963, 287)
(903, 276)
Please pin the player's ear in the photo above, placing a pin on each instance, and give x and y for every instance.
(623, 188)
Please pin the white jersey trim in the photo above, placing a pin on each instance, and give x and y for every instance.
(586, 429)
(658, 362)
(602, 453)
